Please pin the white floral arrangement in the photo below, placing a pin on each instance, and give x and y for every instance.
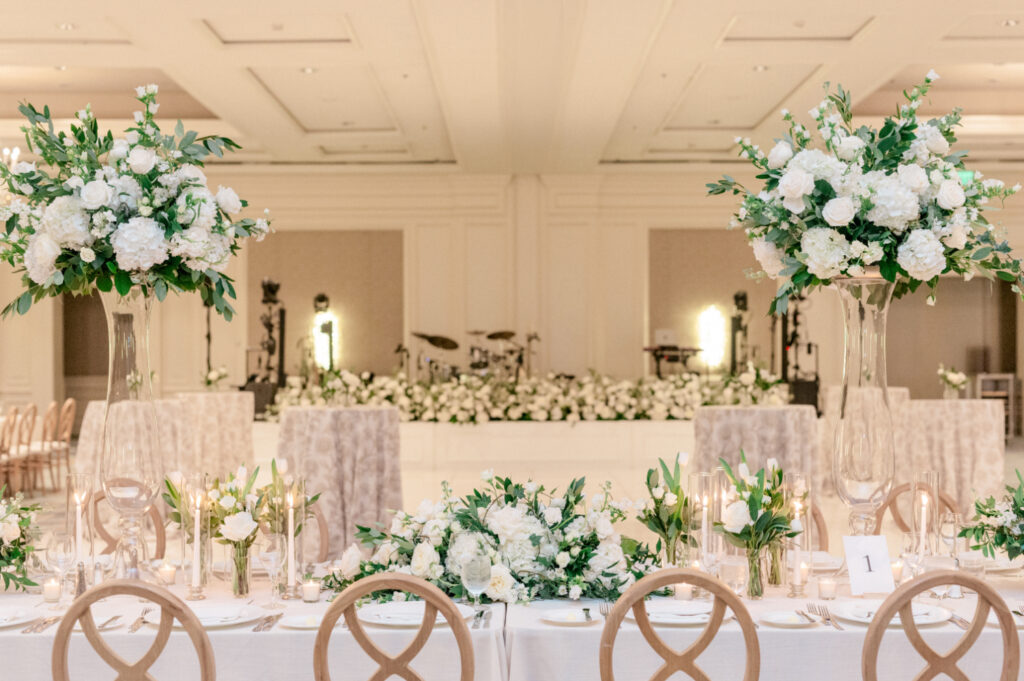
(999, 525)
(894, 200)
(116, 213)
(951, 378)
(214, 376)
(17, 532)
(473, 399)
(541, 544)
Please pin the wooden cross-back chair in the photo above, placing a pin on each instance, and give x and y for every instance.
(65, 424)
(40, 455)
(171, 608)
(8, 468)
(673, 660)
(17, 453)
(325, 535)
(435, 601)
(111, 541)
(820, 527)
(946, 503)
(900, 602)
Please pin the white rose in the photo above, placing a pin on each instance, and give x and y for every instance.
(562, 559)
(839, 212)
(502, 586)
(96, 194)
(914, 178)
(736, 517)
(796, 183)
(425, 561)
(10, 531)
(87, 254)
(950, 195)
(552, 515)
(779, 155)
(350, 561)
(386, 552)
(141, 160)
(794, 204)
(228, 200)
(227, 502)
(935, 142)
(849, 147)
(769, 256)
(238, 527)
(41, 257)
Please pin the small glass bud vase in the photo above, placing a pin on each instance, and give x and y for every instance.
(241, 572)
(950, 393)
(755, 573)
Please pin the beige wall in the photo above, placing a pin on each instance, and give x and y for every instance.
(361, 273)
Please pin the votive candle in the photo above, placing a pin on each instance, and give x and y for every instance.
(826, 589)
(167, 572)
(311, 591)
(51, 590)
(684, 592)
(897, 571)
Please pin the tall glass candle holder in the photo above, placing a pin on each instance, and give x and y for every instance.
(798, 559)
(78, 525)
(197, 524)
(924, 511)
(295, 513)
(702, 504)
(723, 494)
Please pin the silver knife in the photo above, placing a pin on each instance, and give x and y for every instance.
(272, 622)
(487, 619)
(47, 624)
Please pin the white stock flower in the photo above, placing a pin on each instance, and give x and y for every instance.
(950, 195)
(139, 244)
(849, 147)
(779, 155)
(894, 206)
(839, 212)
(350, 561)
(41, 257)
(736, 517)
(141, 160)
(96, 194)
(238, 527)
(66, 221)
(826, 252)
(921, 255)
(228, 200)
(769, 256)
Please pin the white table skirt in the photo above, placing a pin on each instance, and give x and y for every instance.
(242, 655)
(542, 652)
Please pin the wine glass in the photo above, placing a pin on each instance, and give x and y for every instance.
(732, 569)
(476, 577)
(269, 554)
(60, 556)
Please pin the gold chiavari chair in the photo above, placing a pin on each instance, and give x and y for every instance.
(900, 602)
(435, 601)
(891, 504)
(673, 660)
(111, 541)
(171, 608)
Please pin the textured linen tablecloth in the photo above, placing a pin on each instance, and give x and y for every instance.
(538, 651)
(208, 432)
(961, 439)
(351, 457)
(787, 433)
(240, 654)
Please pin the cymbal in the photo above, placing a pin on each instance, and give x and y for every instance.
(501, 335)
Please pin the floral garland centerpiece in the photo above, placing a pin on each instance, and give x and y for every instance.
(667, 512)
(17, 532)
(758, 520)
(999, 525)
(109, 213)
(952, 381)
(541, 544)
(894, 199)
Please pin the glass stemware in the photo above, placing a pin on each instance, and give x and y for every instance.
(60, 557)
(476, 577)
(270, 556)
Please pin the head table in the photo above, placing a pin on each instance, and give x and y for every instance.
(516, 646)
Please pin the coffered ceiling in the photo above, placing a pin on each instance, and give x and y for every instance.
(511, 85)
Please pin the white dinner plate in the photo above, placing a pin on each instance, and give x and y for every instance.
(216, 616)
(822, 561)
(570, 617)
(671, 613)
(787, 619)
(12, 617)
(862, 612)
(302, 621)
(402, 613)
(1002, 564)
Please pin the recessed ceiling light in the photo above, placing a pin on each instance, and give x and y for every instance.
(760, 68)
(308, 69)
(61, 68)
(66, 26)
(1010, 23)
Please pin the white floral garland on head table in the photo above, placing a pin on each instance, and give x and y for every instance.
(594, 397)
(121, 213)
(891, 199)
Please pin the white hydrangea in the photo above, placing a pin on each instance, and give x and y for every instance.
(126, 192)
(139, 244)
(849, 147)
(769, 256)
(41, 257)
(921, 255)
(821, 165)
(914, 178)
(826, 252)
(894, 206)
(197, 207)
(66, 222)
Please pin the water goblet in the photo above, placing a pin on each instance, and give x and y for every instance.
(60, 556)
(270, 555)
(476, 577)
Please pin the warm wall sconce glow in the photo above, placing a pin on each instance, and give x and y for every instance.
(325, 339)
(711, 331)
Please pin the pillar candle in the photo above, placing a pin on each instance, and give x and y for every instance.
(291, 542)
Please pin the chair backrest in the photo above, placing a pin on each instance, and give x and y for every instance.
(946, 503)
(49, 429)
(27, 425)
(325, 535)
(435, 601)
(820, 527)
(111, 540)
(171, 608)
(8, 430)
(67, 420)
(673, 660)
(901, 602)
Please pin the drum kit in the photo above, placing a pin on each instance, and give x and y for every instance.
(495, 354)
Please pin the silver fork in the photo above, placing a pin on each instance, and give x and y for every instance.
(109, 623)
(827, 615)
(807, 617)
(605, 609)
(139, 621)
(42, 626)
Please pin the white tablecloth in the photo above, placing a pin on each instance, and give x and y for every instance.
(542, 652)
(787, 433)
(349, 456)
(241, 655)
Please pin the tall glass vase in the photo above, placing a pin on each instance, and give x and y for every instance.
(130, 463)
(863, 459)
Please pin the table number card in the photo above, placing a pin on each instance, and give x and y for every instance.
(867, 558)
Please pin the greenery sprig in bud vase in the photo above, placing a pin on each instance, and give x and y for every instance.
(757, 519)
(234, 503)
(667, 512)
